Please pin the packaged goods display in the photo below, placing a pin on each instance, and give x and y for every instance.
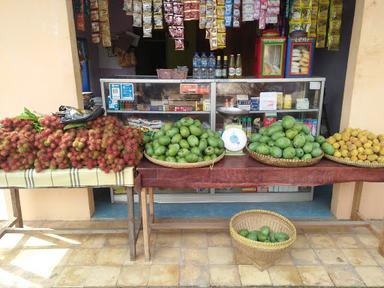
(42, 142)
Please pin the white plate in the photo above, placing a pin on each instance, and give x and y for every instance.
(234, 139)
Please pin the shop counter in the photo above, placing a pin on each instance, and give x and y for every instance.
(69, 178)
(244, 172)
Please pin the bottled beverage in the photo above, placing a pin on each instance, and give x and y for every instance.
(196, 63)
(232, 68)
(211, 66)
(239, 70)
(218, 70)
(204, 66)
(224, 70)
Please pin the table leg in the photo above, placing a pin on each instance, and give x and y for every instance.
(151, 206)
(381, 243)
(144, 216)
(15, 198)
(356, 201)
(131, 224)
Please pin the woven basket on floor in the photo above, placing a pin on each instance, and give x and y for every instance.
(263, 255)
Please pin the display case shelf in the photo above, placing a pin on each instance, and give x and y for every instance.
(284, 111)
(156, 112)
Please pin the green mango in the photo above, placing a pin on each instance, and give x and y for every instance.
(263, 149)
(204, 135)
(195, 150)
(207, 158)
(316, 152)
(289, 153)
(187, 121)
(298, 127)
(191, 158)
(176, 138)
(149, 151)
(264, 139)
(273, 129)
(193, 140)
(309, 138)
(283, 142)
(184, 131)
(172, 132)
(255, 137)
(288, 122)
(209, 150)
(276, 152)
(265, 230)
(281, 236)
(244, 232)
(170, 159)
(183, 152)
(221, 143)
(252, 235)
(291, 133)
(181, 160)
(306, 157)
(299, 141)
(197, 131)
(158, 134)
(299, 152)
(203, 144)
(253, 146)
(197, 123)
(328, 148)
(167, 126)
(306, 129)
(308, 147)
(320, 139)
(184, 144)
(173, 149)
(212, 141)
(277, 135)
(160, 150)
(164, 140)
(262, 130)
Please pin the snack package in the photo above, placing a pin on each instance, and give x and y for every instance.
(335, 16)
(147, 18)
(247, 10)
(236, 13)
(104, 23)
(321, 25)
(157, 15)
(137, 13)
(228, 9)
(128, 7)
(191, 10)
(202, 14)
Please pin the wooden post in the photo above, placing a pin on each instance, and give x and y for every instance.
(131, 224)
(144, 216)
(356, 201)
(381, 243)
(15, 198)
(151, 206)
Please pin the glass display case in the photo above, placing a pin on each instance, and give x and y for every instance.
(149, 102)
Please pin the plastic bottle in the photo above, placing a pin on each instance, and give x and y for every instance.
(211, 66)
(196, 63)
(204, 66)
(218, 67)
(232, 68)
(239, 70)
(224, 70)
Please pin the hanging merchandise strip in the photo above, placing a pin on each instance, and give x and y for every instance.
(174, 17)
(80, 15)
(191, 10)
(137, 13)
(104, 23)
(228, 10)
(128, 7)
(157, 14)
(202, 16)
(322, 20)
(336, 12)
(300, 17)
(236, 13)
(95, 24)
(147, 18)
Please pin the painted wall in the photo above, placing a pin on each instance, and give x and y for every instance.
(363, 101)
(40, 70)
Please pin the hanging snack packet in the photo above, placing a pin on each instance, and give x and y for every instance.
(179, 44)
(335, 16)
(104, 23)
(247, 9)
(202, 15)
(137, 13)
(236, 13)
(128, 7)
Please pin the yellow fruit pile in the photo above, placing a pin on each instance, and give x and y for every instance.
(358, 145)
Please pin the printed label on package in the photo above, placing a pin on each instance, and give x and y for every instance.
(127, 92)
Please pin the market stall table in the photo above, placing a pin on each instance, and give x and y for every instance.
(69, 178)
(243, 172)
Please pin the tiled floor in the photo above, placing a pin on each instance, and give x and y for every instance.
(336, 257)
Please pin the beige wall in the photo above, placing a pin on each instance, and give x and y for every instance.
(39, 69)
(363, 105)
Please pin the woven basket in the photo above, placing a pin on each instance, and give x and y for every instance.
(354, 163)
(269, 160)
(184, 165)
(263, 255)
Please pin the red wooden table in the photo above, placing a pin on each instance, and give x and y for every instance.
(242, 172)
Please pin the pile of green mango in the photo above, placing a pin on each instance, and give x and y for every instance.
(185, 141)
(265, 234)
(287, 139)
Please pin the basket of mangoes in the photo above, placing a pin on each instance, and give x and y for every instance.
(262, 236)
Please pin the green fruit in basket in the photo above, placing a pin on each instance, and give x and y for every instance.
(181, 160)
(161, 157)
(147, 138)
(281, 236)
(173, 149)
(261, 237)
(309, 138)
(191, 158)
(187, 121)
(308, 147)
(217, 151)
(176, 138)
(255, 137)
(263, 149)
(166, 127)
(172, 132)
(315, 145)
(178, 124)
(183, 152)
(155, 144)
(203, 144)
(299, 152)
(283, 142)
(276, 152)
(210, 133)
(306, 129)
(328, 148)
(252, 235)
(221, 143)
(306, 157)
(197, 122)
(184, 144)
(207, 158)
(262, 130)
(291, 133)
(184, 131)
(213, 157)
(200, 159)
(196, 151)
(164, 140)
(264, 139)
(320, 139)
(158, 134)
(197, 131)
(273, 129)
(299, 141)
(289, 153)
(209, 150)
(147, 145)
(244, 232)
(170, 159)
(149, 151)
(204, 135)
(272, 236)
(277, 135)
(271, 143)
(193, 140)
(265, 230)
(253, 146)
(288, 122)
(298, 127)
(160, 150)
(316, 152)
(212, 141)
